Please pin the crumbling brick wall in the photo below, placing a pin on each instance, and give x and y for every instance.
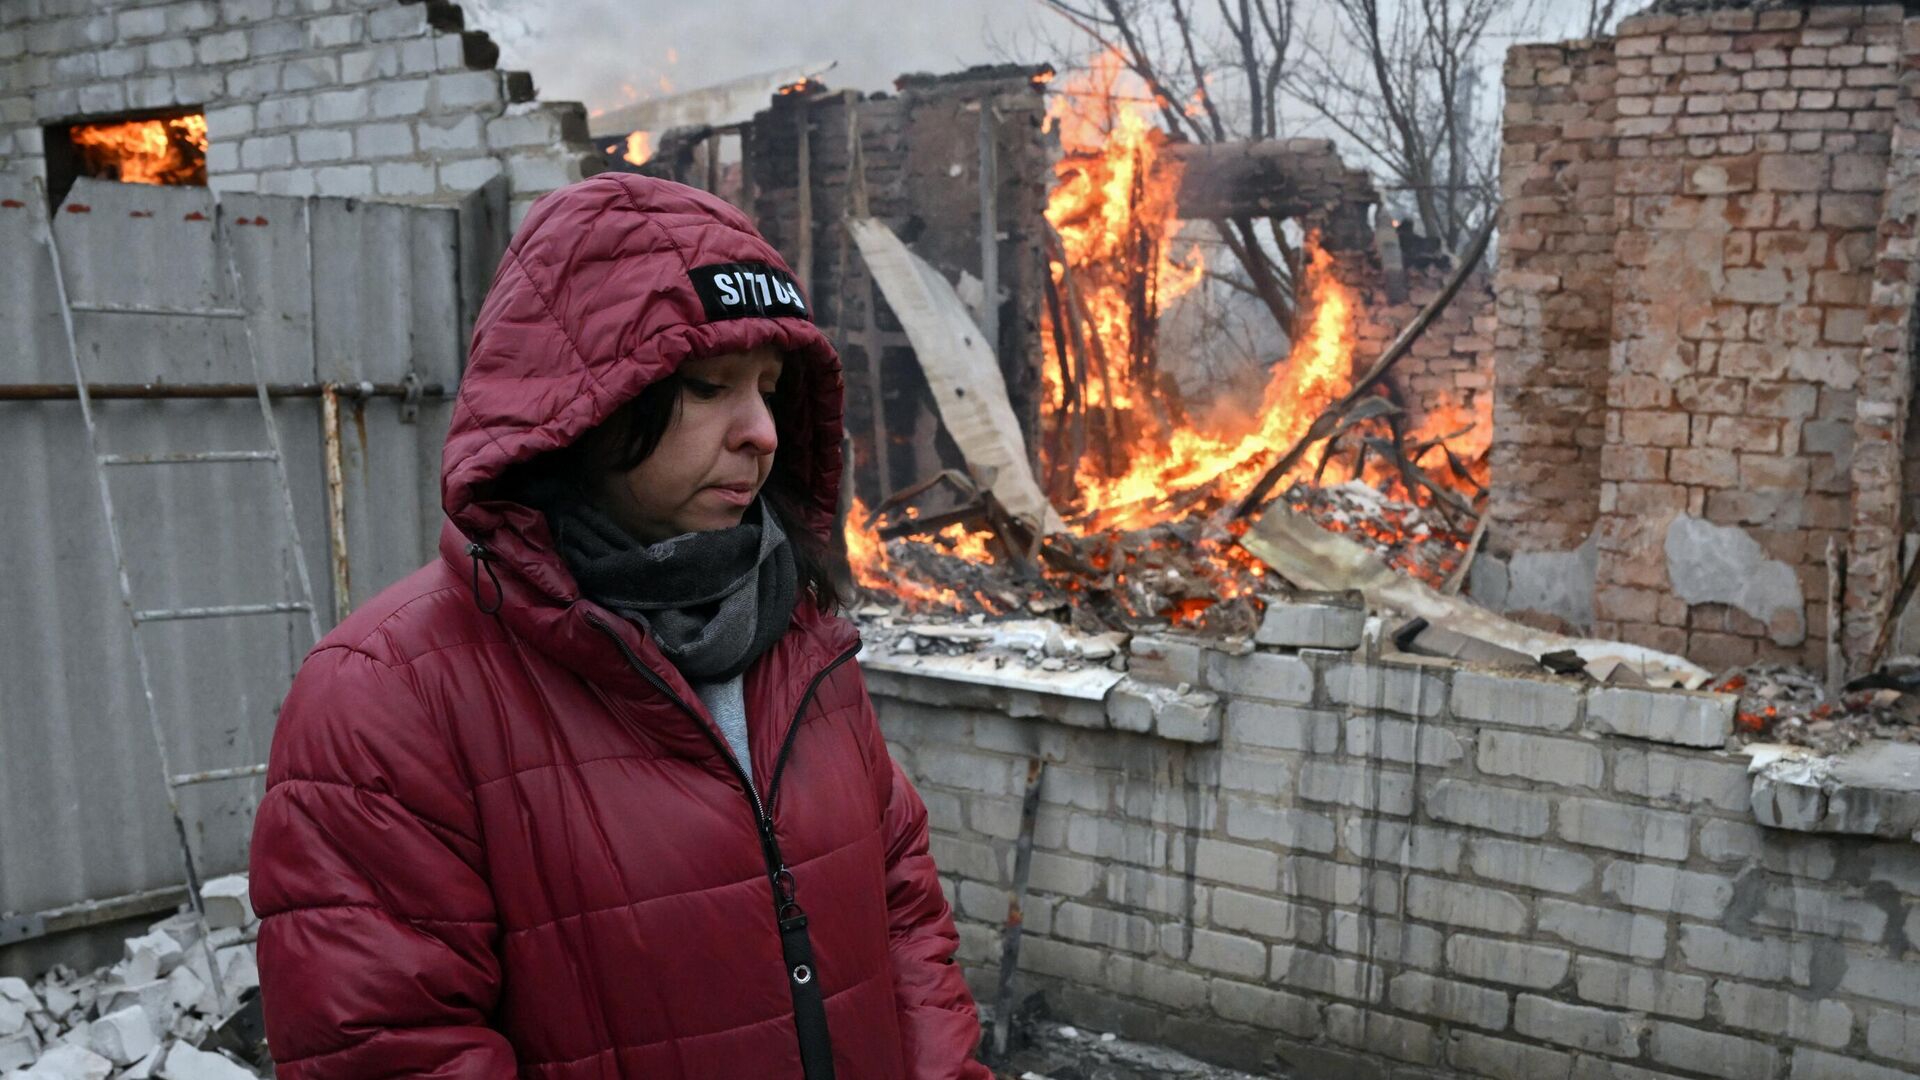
(1555, 289)
(382, 98)
(1750, 176)
(920, 173)
(1329, 866)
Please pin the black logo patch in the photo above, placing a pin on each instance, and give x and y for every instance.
(748, 290)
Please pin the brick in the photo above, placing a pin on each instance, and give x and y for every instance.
(1409, 691)
(1460, 904)
(1831, 914)
(1266, 1008)
(1390, 941)
(1663, 888)
(1716, 1055)
(1264, 916)
(1531, 865)
(1675, 716)
(1384, 1034)
(1684, 780)
(1501, 1058)
(1442, 999)
(1284, 827)
(1894, 1035)
(1814, 1065)
(406, 177)
(1510, 962)
(1507, 810)
(1579, 1026)
(266, 152)
(1394, 740)
(1890, 981)
(1640, 989)
(1363, 786)
(1164, 660)
(1776, 1012)
(1281, 727)
(1658, 834)
(1641, 936)
(1708, 948)
(1049, 872)
(1323, 973)
(1236, 864)
(1286, 679)
(466, 90)
(1297, 625)
(1521, 702)
(1565, 762)
(1417, 847)
(1340, 884)
(323, 144)
(1076, 963)
(1228, 954)
(1103, 926)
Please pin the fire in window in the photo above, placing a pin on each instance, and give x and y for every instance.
(153, 149)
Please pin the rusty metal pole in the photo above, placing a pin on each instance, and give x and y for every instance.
(1016, 901)
(336, 501)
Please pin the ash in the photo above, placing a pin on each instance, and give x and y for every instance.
(1790, 705)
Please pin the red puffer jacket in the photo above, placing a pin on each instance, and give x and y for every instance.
(514, 844)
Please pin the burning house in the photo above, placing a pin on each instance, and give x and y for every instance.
(1383, 697)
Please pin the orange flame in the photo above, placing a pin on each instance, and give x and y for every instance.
(172, 151)
(873, 569)
(639, 148)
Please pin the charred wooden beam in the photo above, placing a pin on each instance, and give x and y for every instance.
(1277, 178)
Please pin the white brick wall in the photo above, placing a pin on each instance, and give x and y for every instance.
(1436, 870)
(352, 99)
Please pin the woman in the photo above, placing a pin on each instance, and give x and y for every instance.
(599, 792)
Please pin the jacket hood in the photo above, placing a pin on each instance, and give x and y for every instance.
(607, 287)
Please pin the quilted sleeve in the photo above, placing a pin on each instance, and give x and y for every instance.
(377, 926)
(938, 1020)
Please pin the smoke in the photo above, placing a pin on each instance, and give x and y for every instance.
(606, 53)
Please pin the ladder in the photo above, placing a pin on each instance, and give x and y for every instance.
(139, 618)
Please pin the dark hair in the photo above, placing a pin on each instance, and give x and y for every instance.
(634, 431)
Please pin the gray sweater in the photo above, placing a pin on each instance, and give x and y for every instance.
(728, 704)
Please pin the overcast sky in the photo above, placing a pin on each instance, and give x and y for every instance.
(609, 52)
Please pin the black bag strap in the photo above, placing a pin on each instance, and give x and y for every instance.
(809, 1004)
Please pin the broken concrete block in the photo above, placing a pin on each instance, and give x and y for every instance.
(59, 1000)
(1682, 717)
(123, 1037)
(150, 997)
(1302, 623)
(187, 990)
(70, 1062)
(183, 927)
(183, 1062)
(238, 970)
(18, 992)
(19, 1050)
(227, 903)
(152, 955)
(13, 1018)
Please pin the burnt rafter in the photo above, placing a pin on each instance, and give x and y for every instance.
(1280, 178)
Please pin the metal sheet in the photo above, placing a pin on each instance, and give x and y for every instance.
(82, 813)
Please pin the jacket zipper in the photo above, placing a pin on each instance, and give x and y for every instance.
(776, 865)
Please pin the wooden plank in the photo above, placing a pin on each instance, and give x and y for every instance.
(968, 389)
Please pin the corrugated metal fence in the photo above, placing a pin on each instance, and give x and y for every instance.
(337, 291)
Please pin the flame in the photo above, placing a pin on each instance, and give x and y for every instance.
(804, 85)
(639, 148)
(1135, 459)
(874, 571)
(172, 151)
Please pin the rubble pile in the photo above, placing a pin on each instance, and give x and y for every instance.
(1188, 573)
(1790, 705)
(146, 1017)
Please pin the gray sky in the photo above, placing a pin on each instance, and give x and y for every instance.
(589, 50)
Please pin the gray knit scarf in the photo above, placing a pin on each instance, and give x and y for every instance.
(714, 601)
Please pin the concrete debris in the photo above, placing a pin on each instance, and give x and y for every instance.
(1034, 643)
(141, 1018)
(1790, 705)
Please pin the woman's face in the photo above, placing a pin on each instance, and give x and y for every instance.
(713, 457)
